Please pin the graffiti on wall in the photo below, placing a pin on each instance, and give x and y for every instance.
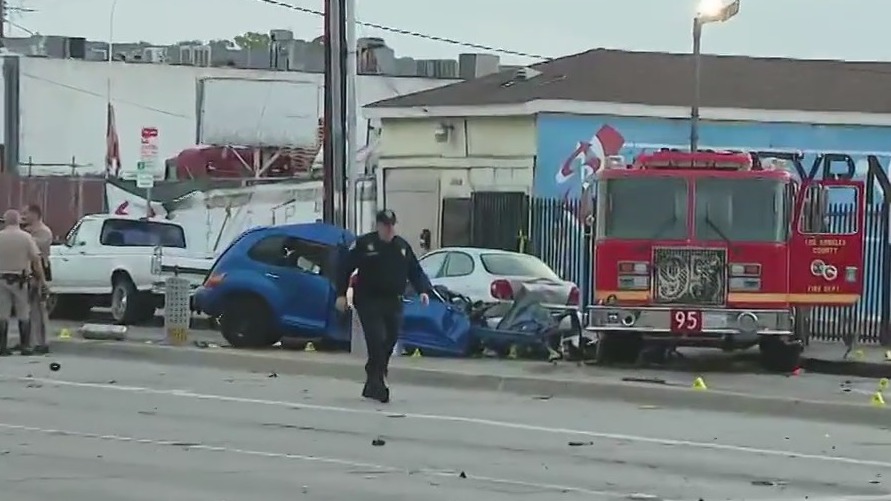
(572, 149)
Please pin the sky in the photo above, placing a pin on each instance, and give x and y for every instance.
(813, 29)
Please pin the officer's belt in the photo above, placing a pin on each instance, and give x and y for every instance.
(15, 278)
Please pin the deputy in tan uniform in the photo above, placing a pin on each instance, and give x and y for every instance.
(32, 222)
(19, 259)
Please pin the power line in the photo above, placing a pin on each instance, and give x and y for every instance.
(416, 34)
(20, 27)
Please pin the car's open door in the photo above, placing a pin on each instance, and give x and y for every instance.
(827, 243)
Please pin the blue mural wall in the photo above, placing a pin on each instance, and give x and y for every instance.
(572, 144)
(568, 143)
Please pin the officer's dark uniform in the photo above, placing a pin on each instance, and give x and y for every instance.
(383, 270)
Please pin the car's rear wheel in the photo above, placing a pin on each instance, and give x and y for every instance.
(247, 322)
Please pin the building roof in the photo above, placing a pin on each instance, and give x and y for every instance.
(663, 79)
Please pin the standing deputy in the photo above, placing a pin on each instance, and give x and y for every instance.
(32, 222)
(19, 258)
(385, 262)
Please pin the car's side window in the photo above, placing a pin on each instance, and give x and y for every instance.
(288, 252)
(306, 256)
(432, 264)
(270, 250)
(458, 265)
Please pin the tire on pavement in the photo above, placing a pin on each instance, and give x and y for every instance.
(128, 305)
(247, 322)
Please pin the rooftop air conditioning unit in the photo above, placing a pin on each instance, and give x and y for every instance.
(156, 55)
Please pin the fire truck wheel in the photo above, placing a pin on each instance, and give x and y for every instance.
(780, 354)
(618, 348)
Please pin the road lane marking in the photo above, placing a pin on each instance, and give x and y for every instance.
(329, 460)
(470, 420)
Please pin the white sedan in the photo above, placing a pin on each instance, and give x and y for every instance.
(495, 275)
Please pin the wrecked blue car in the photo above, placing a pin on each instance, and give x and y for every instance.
(278, 282)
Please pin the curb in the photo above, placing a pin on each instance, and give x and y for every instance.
(640, 394)
(852, 368)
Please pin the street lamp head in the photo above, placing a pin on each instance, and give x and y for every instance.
(709, 9)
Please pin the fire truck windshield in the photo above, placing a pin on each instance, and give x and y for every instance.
(740, 210)
(644, 208)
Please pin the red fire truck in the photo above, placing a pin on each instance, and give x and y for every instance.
(711, 249)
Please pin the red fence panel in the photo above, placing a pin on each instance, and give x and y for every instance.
(64, 199)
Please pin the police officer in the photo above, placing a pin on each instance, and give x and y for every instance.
(385, 262)
(19, 258)
(32, 222)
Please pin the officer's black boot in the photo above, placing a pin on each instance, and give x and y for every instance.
(25, 337)
(375, 388)
(4, 333)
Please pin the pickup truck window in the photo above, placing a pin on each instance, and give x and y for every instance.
(288, 252)
(135, 233)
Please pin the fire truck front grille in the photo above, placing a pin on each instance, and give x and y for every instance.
(689, 276)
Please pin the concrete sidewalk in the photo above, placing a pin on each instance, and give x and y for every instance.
(864, 360)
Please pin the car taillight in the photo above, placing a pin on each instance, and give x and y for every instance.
(214, 279)
(575, 297)
(501, 289)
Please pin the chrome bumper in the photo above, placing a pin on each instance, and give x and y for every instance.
(656, 320)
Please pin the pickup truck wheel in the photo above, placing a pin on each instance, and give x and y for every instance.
(246, 322)
(127, 304)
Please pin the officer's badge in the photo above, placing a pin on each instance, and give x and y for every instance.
(403, 252)
(370, 247)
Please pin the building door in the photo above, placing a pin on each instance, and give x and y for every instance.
(413, 194)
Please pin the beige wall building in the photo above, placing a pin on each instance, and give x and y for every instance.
(424, 161)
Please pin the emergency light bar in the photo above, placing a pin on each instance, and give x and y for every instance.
(698, 160)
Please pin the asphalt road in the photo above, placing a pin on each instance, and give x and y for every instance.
(125, 431)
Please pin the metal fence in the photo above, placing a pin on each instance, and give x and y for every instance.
(557, 236)
(870, 317)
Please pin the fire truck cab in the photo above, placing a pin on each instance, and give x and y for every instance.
(711, 249)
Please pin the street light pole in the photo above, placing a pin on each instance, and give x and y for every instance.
(710, 11)
(697, 83)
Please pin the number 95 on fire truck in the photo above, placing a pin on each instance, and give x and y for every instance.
(708, 249)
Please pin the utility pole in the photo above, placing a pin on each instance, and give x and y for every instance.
(2, 21)
(335, 119)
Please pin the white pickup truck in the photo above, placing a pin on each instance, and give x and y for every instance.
(111, 260)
